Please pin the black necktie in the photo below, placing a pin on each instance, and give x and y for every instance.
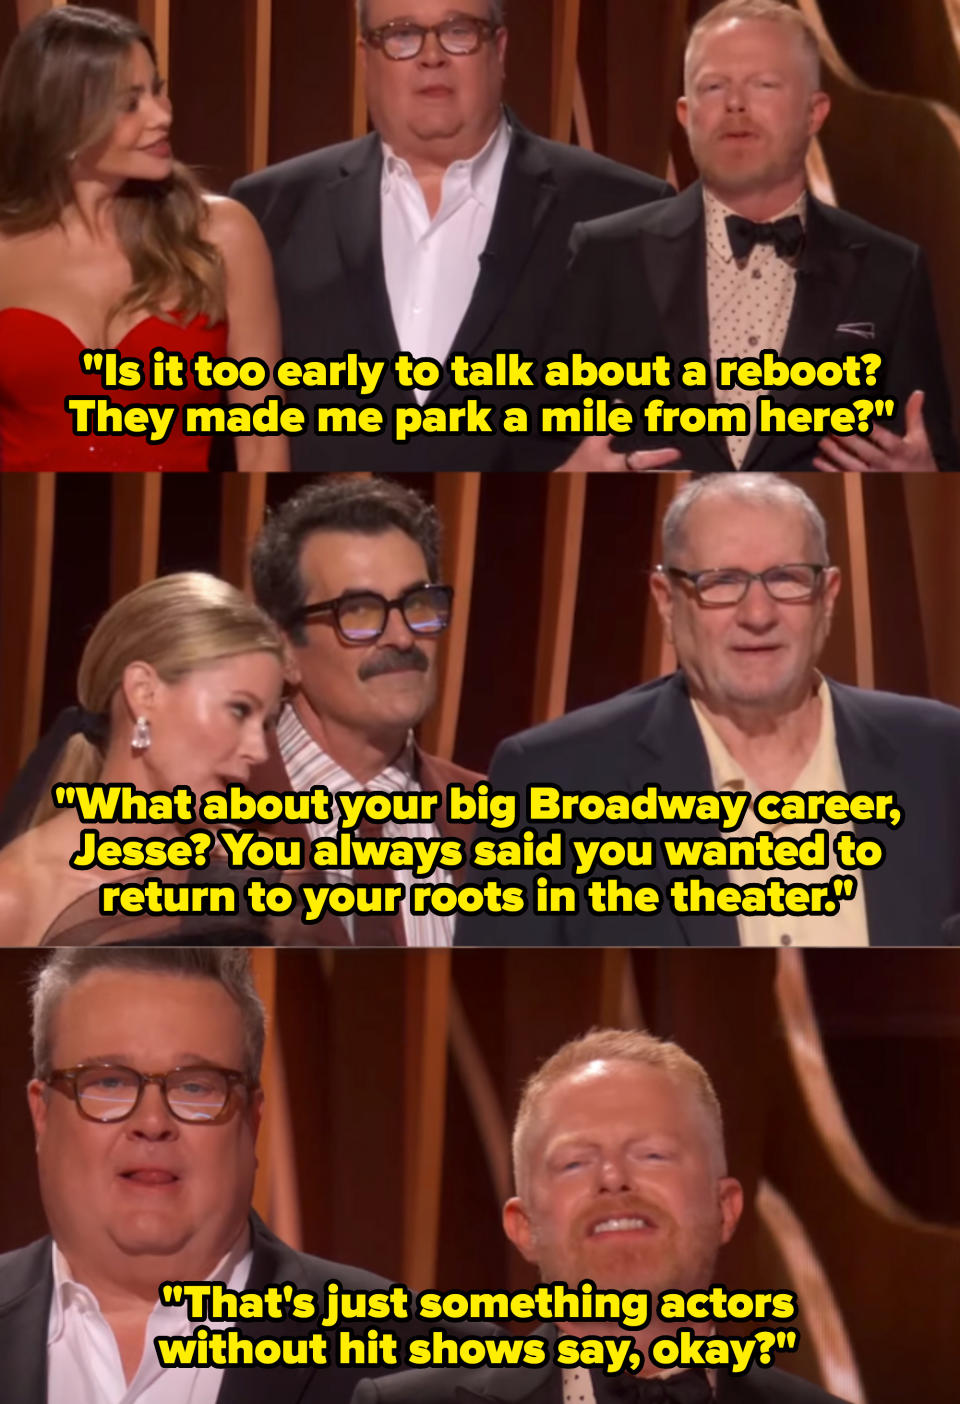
(786, 236)
(688, 1387)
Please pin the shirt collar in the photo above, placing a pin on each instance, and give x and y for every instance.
(482, 171)
(67, 1290)
(716, 212)
(293, 736)
(729, 774)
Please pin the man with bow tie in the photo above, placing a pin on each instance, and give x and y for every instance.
(747, 260)
(621, 1180)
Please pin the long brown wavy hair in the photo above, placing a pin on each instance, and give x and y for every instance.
(58, 93)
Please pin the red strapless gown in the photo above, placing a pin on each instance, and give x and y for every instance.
(40, 368)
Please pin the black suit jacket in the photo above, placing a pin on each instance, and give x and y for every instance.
(26, 1286)
(908, 745)
(321, 217)
(637, 288)
(544, 1385)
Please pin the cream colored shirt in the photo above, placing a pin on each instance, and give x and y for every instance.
(822, 772)
(748, 305)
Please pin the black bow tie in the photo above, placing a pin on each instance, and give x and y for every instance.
(786, 236)
(689, 1387)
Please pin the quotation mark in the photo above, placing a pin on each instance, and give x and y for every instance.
(844, 887)
(171, 1293)
(64, 795)
(92, 362)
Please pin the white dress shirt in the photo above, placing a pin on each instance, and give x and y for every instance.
(431, 264)
(83, 1359)
(307, 765)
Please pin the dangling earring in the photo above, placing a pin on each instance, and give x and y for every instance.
(141, 738)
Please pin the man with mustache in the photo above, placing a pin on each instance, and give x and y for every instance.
(621, 1181)
(747, 260)
(348, 570)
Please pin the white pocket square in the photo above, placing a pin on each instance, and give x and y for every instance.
(865, 329)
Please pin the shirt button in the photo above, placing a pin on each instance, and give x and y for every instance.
(753, 340)
(786, 940)
(756, 273)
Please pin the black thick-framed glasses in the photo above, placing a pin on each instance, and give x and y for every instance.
(458, 36)
(795, 583)
(360, 616)
(108, 1092)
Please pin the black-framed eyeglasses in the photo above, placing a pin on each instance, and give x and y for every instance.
(795, 583)
(360, 616)
(458, 36)
(108, 1092)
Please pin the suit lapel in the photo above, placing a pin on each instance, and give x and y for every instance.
(24, 1312)
(510, 1387)
(869, 763)
(527, 191)
(355, 202)
(273, 1262)
(530, 1384)
(827, 268)
(676, 265)
(670, 753)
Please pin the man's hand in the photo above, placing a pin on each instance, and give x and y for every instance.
(882, 451)
(596, 454)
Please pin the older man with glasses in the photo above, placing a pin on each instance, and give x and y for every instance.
(746, 596)
(348, 570)
(444, 231)
(146, 1102)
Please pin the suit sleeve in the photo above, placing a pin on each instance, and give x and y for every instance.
(916, 363)
(250, 193)
(510, 772)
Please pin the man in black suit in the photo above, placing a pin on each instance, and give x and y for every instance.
(747, 260)
(443, 231)
(621, 1181)
(146, 1180)
(746, 595)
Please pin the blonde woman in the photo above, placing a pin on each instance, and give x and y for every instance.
(107, 242)
(177, 685)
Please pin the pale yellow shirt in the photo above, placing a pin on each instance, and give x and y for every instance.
(748, 305)
(822, 772)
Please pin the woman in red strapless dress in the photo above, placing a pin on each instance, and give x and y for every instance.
(108, 245)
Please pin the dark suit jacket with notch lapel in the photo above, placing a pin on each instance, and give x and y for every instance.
(544, 1385)
(26, 1287)
(321, 217)
(649, 736)
(637, 288)
(432, 773)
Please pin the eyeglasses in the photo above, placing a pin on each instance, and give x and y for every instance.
(104, 1092)
(459, 36)
(361, 617)
(788, 584)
